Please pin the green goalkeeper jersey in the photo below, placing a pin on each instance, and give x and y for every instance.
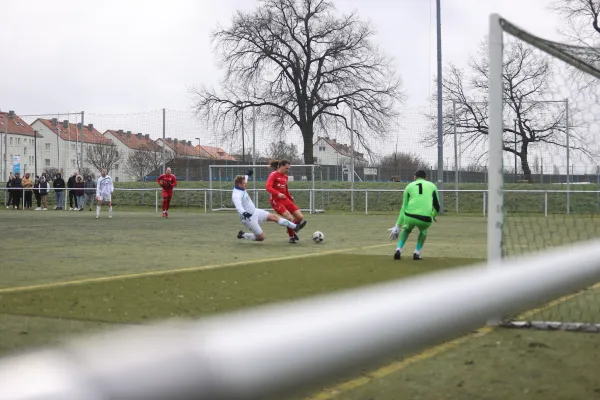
(420, 201)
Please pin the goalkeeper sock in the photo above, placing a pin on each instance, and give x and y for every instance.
(286, 223)
(164, 204)
(249, 236)
(97, 211)
(168, 204)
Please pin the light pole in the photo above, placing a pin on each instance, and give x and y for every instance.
(515, 122)
(199, 152)
(239, 103)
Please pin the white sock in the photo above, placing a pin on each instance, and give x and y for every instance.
(97, 211)
(110, 211)
(399, 249)
(249, 236)
(417, 252)
(286, 223)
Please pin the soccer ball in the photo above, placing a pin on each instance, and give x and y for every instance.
(318, 237)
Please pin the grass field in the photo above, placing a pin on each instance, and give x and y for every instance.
(65, 273)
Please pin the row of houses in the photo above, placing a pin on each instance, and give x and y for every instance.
(61, 144)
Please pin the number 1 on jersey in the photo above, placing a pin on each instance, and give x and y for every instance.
(420, 185)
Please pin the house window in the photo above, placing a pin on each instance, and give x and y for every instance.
(18, 141)
(73, 162)
(321, 148)
(116, 167)
(316, 160)
(24, 151)
(11, 141)
(72, 146)
(47, 162)
(47, 145)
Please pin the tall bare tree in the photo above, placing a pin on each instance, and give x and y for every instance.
(300, 63)
(527, 74)
(581, 20)
(103, 156)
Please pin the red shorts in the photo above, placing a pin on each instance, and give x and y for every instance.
(166, 194)
(282, 205)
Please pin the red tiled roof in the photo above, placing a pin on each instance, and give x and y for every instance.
(182, 148)
(15, 125)
(74, 134)
(215, 153)
(135, 141)
(342, 148)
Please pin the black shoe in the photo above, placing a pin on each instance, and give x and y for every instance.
(300, 225)
(296, 236)
(416, 256)
(240, 235)
(397, 255)
(292, 240)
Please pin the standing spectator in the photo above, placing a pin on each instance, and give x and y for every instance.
(8, 192)
(27, 184)
(79, 192)
(36, 193)
(90, 191)
(59, 187)
(17, 189)
(44, 189)
(72, 196)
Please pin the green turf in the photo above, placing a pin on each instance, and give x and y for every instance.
(43, 248)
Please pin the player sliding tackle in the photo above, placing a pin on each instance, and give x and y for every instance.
(420, 206)
(252, 217)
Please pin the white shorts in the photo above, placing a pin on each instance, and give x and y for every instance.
(257, 219)
(104, 197)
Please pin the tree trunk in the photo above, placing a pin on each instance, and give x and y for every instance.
(307, 138)
(525, 163)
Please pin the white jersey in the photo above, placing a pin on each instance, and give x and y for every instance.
(105, 187)
(242, 201)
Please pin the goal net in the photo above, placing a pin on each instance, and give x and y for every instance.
(544, 115)
(305, 184)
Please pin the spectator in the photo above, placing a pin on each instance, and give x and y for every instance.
(79, 192)
(59, 187)
(8, 193)
(72, 196)
(44, 189)
(17, 190)
(36, 193)
(89, 190)
(27, 184)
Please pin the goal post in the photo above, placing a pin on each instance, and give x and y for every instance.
(304, 181)
(563, 126)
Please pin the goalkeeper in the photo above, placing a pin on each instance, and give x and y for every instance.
(420, 206)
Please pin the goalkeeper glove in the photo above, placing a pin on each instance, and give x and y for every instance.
(246, 215)
(394, 232)
(249, 172)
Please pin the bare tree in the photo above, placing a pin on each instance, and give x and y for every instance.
(280, 150)
(299, 63)
(526, 74)
(103, 156)
(142, 162)
(402, 160)
(581, 20)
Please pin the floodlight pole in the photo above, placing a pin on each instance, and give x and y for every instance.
(568, 156)
(455, 155)
(440, 128)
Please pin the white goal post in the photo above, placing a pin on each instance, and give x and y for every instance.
(221, 178)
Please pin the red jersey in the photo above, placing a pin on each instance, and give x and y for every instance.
(167, 178)
(277, 183)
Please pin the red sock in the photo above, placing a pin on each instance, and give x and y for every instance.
(292, 232)
(164, 204)
(168, 203)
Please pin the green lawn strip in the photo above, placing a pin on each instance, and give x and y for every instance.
(504, 364)
(194, 294)
(18, 332)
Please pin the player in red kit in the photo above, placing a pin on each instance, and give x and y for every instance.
(281, 200)
(167, 181)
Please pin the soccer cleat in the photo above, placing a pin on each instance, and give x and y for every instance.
(166, 214)
(240, 235)
(416, 256)
(292, 240)
(397, 255)
(163, 214)
(110, 216)
(299, 226)
(97, 216)
(296, 236)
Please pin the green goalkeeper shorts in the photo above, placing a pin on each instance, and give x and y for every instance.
(410, 223)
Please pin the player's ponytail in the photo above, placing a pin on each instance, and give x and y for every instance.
(274, 164)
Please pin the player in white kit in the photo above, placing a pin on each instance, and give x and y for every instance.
(252, 217)
(104, 191)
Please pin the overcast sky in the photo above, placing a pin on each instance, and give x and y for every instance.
(131, 56)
